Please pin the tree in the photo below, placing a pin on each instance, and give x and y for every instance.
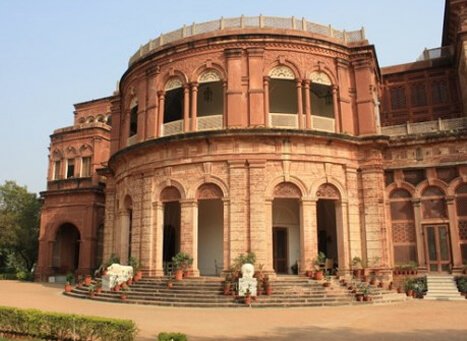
(19, 226)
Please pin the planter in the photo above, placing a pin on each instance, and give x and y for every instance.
(319, 275)
(129, 281)
(138, 276)
(268, 291)
(409, 293)
(309, 273)
(68, 288)
(248, 300)
(117, 287)
(98, 290)
(380, 284)
(372, 281)
(91, 294)
(227, 289)
(87, 280)
(178, 275)
(366, 299)
(170, 285)
(326, 284)
(359, 297)
(123, 297)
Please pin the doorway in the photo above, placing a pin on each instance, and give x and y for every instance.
(280, 250)
(438, 253)
(327, 231)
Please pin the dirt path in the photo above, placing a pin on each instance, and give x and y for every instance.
(414, 320)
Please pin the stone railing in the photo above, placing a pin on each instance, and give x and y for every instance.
(82, 126)
(210, 122)
(425, 127)
(249, 22)
(439, 52)
(171, 128)
(323, 123)
(282, 120)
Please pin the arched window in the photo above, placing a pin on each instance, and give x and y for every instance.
(322, 102)
(461, 204)
(133, 128)
(433, 204)
(403, 226)
(210, 101)
(282, 91)
(173, 104)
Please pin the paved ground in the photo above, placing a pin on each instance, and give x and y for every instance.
(414, 320)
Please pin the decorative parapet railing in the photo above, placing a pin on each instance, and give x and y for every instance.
(439, 52)
(425, 127)
(172, 128)
(281, 120)
(82, 126)
(249, 22)
(323, 123)
(210, 122)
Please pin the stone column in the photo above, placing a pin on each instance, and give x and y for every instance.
(266, 101)
(157, 240)
(189, 232)
(186, 108)
(343, 235)
(308, 234)
(337, 116)
(268, 266)
(226, 229)
(160, 119)
(454, 235)
(300, 103)
(145, 241)
(194, 106)
(306, 86)
(422, 263)
(124, 218)
(353, 212)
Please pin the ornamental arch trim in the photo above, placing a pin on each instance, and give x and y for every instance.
(269, 192)
(52, 232)
(209, 68)
(192, 191)
(176, 77)
(422, 186)
(401, 185)
(209, 191)
(170, 193)
(278, 64)
(161, 186)
(287, 190)
(328, 191)
(328, 180)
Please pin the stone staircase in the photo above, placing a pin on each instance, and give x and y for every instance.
(443, 288)
(288, 291)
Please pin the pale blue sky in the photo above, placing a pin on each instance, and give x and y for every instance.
(57, 53)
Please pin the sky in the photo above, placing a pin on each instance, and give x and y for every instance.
(54, 53)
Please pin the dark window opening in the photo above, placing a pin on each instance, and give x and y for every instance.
(210, 99)
(418, 95)
(86, 166)
(398, 100)
(321, 100)
(283, 96)
(173, 106)
(133, 121)
(439, 92)
(57, 170)
(70, 169)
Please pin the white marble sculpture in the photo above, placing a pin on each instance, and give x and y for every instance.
(116, 274)
(247, 282)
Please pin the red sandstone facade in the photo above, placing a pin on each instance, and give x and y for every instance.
(236, 135)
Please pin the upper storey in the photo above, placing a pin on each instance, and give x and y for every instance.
(249, 73)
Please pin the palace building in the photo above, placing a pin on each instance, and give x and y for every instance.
(270, 135)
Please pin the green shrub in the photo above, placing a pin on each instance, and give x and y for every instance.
(64, 326)
(24, 276)
(171, 337)
(7, 276)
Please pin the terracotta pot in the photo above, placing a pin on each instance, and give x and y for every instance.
(68, 288)
(123, 297)
(259, 291)
(372, 282)
(318, 275)
(380, 284)
(268, 291)
(91, 294)
(366, 298)
(129, 281)
(248, 300)
(399, 290)
(409, 293)
(326, 284)
(98, 290)
(359, 297)
(87, 280)
(117, 287)
(227, 290)
(309, 273)
(170, 285)
(178, 275)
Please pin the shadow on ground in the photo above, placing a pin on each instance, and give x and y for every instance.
(314, 333)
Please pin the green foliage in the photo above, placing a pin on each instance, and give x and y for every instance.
(113, 259)
(59, 326)
(19, 227)
(70, 278)
(24, 276)
(249, 258)
(134, 263)
(182, 261)
(417, 284)
(462, 283)
(171, 337)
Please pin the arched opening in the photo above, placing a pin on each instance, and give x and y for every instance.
(210, 101)
(436, 230)
(210, 230)
(66, 249)
(283, 102)
(403, 227)
(133, 126)
(286, 228)
(322, 102)
(173, 107)
(327, 215)
(170, 197)
(461, 207)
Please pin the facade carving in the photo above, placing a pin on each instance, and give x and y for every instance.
(253, 145)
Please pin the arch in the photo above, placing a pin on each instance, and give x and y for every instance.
(173, 83)
(400, 193)
(86, 150)
(319, 77)
(70, 152)
(282, 72)
(328, 191)
(159, 188)
(324, 70)
(170, 193)
(208, 191)
(100, 118)
(420, 188)
(454, 186)
(128, 202)
(173, 74)
(108, 119)
(82, 120)
(402, 185)
(206, 67)
(287, 190)
(329, 180)
(192, 191)
(432, 191)
(52, 232)
(66, 248)
(461, 188)
(57, 155)
(269, 192)
(287, 63)
(90, 119)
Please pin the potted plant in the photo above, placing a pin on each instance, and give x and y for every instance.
(227, 284)
(248, 297)
(318, 263)
(138, 274)
(91, 290)
(357, 266)
(366, 293)
(327, 282)
(408, 287)
(87, 280)
(98, 287)
(182, 261)
(124, 292)
(69, 281)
